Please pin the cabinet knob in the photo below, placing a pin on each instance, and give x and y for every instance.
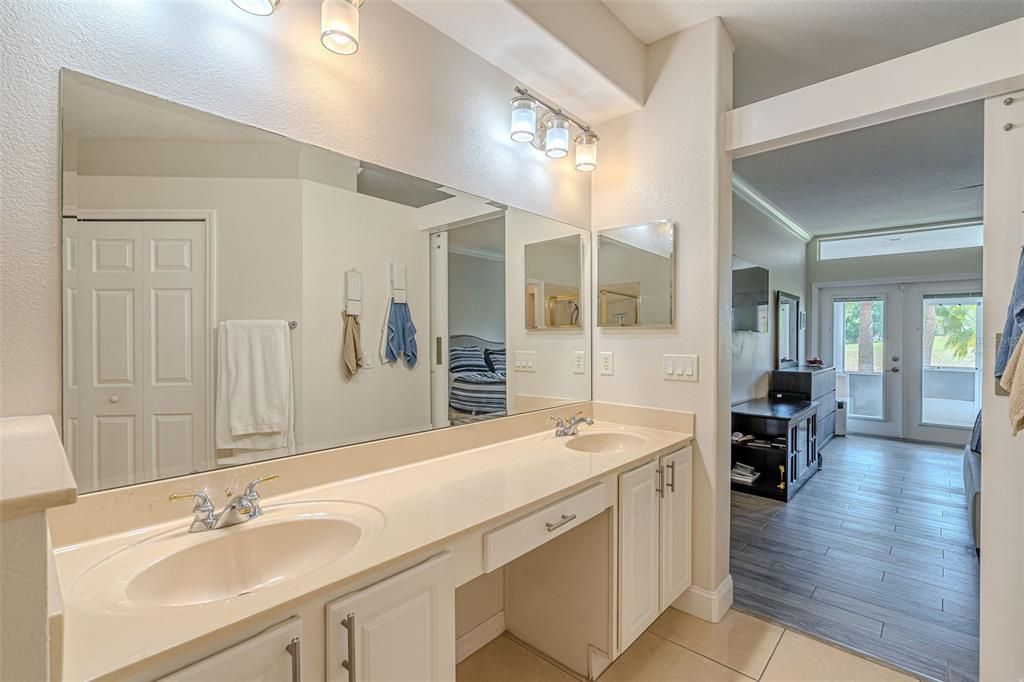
(114, 398)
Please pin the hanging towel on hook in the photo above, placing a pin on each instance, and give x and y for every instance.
(399, 334)
(1013, 381)
(1014, 321)
(351, 345)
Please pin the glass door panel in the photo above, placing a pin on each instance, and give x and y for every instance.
(859, 335)
(950, 390)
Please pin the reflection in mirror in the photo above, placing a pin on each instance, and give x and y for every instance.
(232, 296)
(553, 275)
(635, 275)
(787, 329)
(749, 297)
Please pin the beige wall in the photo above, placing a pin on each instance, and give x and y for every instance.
(938, 264)
(664, 162)
(391, 104)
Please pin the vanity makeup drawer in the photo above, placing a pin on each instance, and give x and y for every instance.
(520, 536)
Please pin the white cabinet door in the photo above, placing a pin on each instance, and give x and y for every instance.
(676, 529)
(272, 656)
(639, 491)
(401, 629)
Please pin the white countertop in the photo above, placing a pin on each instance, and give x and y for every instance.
(34, 472)
(424, 505)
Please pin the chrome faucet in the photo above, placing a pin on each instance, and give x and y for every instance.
(239, 509)
(569, 427)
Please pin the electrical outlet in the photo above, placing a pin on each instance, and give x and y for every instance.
(679, 367)
(579, 362)
(607, 363)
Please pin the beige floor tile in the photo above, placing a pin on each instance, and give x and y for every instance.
(802, 658)
(653, 659)
(739, 641)
(503, 660)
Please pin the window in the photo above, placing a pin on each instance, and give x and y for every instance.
(907, 241)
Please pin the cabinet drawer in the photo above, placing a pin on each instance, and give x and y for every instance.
(520, 536)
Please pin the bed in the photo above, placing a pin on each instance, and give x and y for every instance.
(476, 371)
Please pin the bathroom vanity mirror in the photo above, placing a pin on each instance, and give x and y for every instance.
(787, 329)
(231, 295)
(635, 275)
(749, 297)
(553, 280)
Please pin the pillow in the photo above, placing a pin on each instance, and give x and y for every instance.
(496, 360)
(463, 359)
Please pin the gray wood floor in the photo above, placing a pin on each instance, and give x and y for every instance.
(874, 554)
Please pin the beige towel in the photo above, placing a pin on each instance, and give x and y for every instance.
(351, 346)
(1013, 381)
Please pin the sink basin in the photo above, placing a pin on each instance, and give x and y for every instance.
(603, 442)
(176, 568)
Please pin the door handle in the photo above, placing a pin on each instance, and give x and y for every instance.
(294, 650)
(114, 398)
(895, 370)
(349, 664)
(672, 479)
(659, 486)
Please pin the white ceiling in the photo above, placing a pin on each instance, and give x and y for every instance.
(906, 172)
(782, 45)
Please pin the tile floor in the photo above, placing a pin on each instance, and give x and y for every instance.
(682, 648)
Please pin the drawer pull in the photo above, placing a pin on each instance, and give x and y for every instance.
(672, 478)
(566, 518)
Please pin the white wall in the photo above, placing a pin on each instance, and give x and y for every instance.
(554, 380)
(273, 73)
(758, 239)
(476, 296)
(665, 162)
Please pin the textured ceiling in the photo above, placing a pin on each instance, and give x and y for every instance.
(907, 172)
(785, 45)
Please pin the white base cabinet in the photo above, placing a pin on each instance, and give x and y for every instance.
(274, 655)
(655, 538)
(400, 629)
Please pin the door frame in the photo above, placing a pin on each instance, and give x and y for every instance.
(209, 217)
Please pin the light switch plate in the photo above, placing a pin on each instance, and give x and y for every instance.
(607, 363)
(579, 362)
(525, 361)
(679, 367)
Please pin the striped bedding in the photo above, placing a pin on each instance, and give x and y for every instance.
(477, 392)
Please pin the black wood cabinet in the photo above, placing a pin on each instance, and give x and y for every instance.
(790, 427)
(817, 384)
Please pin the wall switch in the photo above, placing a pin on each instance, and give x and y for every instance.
(524, 361)
(607, 363)
(680, 367)
(579, 362)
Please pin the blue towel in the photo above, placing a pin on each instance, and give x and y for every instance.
(401, 335)
(1014, 320)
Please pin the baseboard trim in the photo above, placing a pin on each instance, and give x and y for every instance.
(478, 637)
(597, 661)
(710, 606)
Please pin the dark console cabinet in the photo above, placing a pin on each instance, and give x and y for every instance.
(784, 468)
(817, 384)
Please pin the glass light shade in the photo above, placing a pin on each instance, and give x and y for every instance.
(586, 152)
(339, 26)
(262, 8)
(556, 139)
(524, 120)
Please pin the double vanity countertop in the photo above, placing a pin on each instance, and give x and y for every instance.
(122, 606)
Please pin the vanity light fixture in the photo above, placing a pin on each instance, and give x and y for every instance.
(261, 8)
(339, 25)
(549, 130)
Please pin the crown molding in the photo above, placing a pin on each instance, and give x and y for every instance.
(745, 191)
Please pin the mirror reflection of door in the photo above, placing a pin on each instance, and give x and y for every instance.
(635, 275)
(553, 280)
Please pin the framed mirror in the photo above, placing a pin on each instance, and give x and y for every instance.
(787, 329)
(231, 295)
(553, 271)
(636, 275)
(750, 303)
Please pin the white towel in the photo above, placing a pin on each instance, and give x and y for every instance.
(384, 334)
(254, 407)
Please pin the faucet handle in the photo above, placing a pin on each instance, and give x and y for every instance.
(250, 490)
(559, 422)
(203, 502)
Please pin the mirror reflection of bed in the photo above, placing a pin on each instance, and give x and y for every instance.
(476, 379)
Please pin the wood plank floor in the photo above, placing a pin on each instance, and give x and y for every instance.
(874, 553)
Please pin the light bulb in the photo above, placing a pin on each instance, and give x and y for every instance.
(524, 119)
(586, 151)
(339, 26)
(556, 139)
(262, 8)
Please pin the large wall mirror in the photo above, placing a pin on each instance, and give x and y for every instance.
(232, 296)
(635, 275)
(787, 329)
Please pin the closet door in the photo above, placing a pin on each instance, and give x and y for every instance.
(639, 512)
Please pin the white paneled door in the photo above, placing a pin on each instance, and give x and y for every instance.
(135, 350)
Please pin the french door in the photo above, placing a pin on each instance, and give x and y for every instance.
(907, 357)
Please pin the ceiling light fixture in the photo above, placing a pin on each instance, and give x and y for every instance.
(339, 25)
(261, 8)
(549, 129)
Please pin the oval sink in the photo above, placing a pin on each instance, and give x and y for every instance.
(244, 559)
(177, 568)
(603, 442)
